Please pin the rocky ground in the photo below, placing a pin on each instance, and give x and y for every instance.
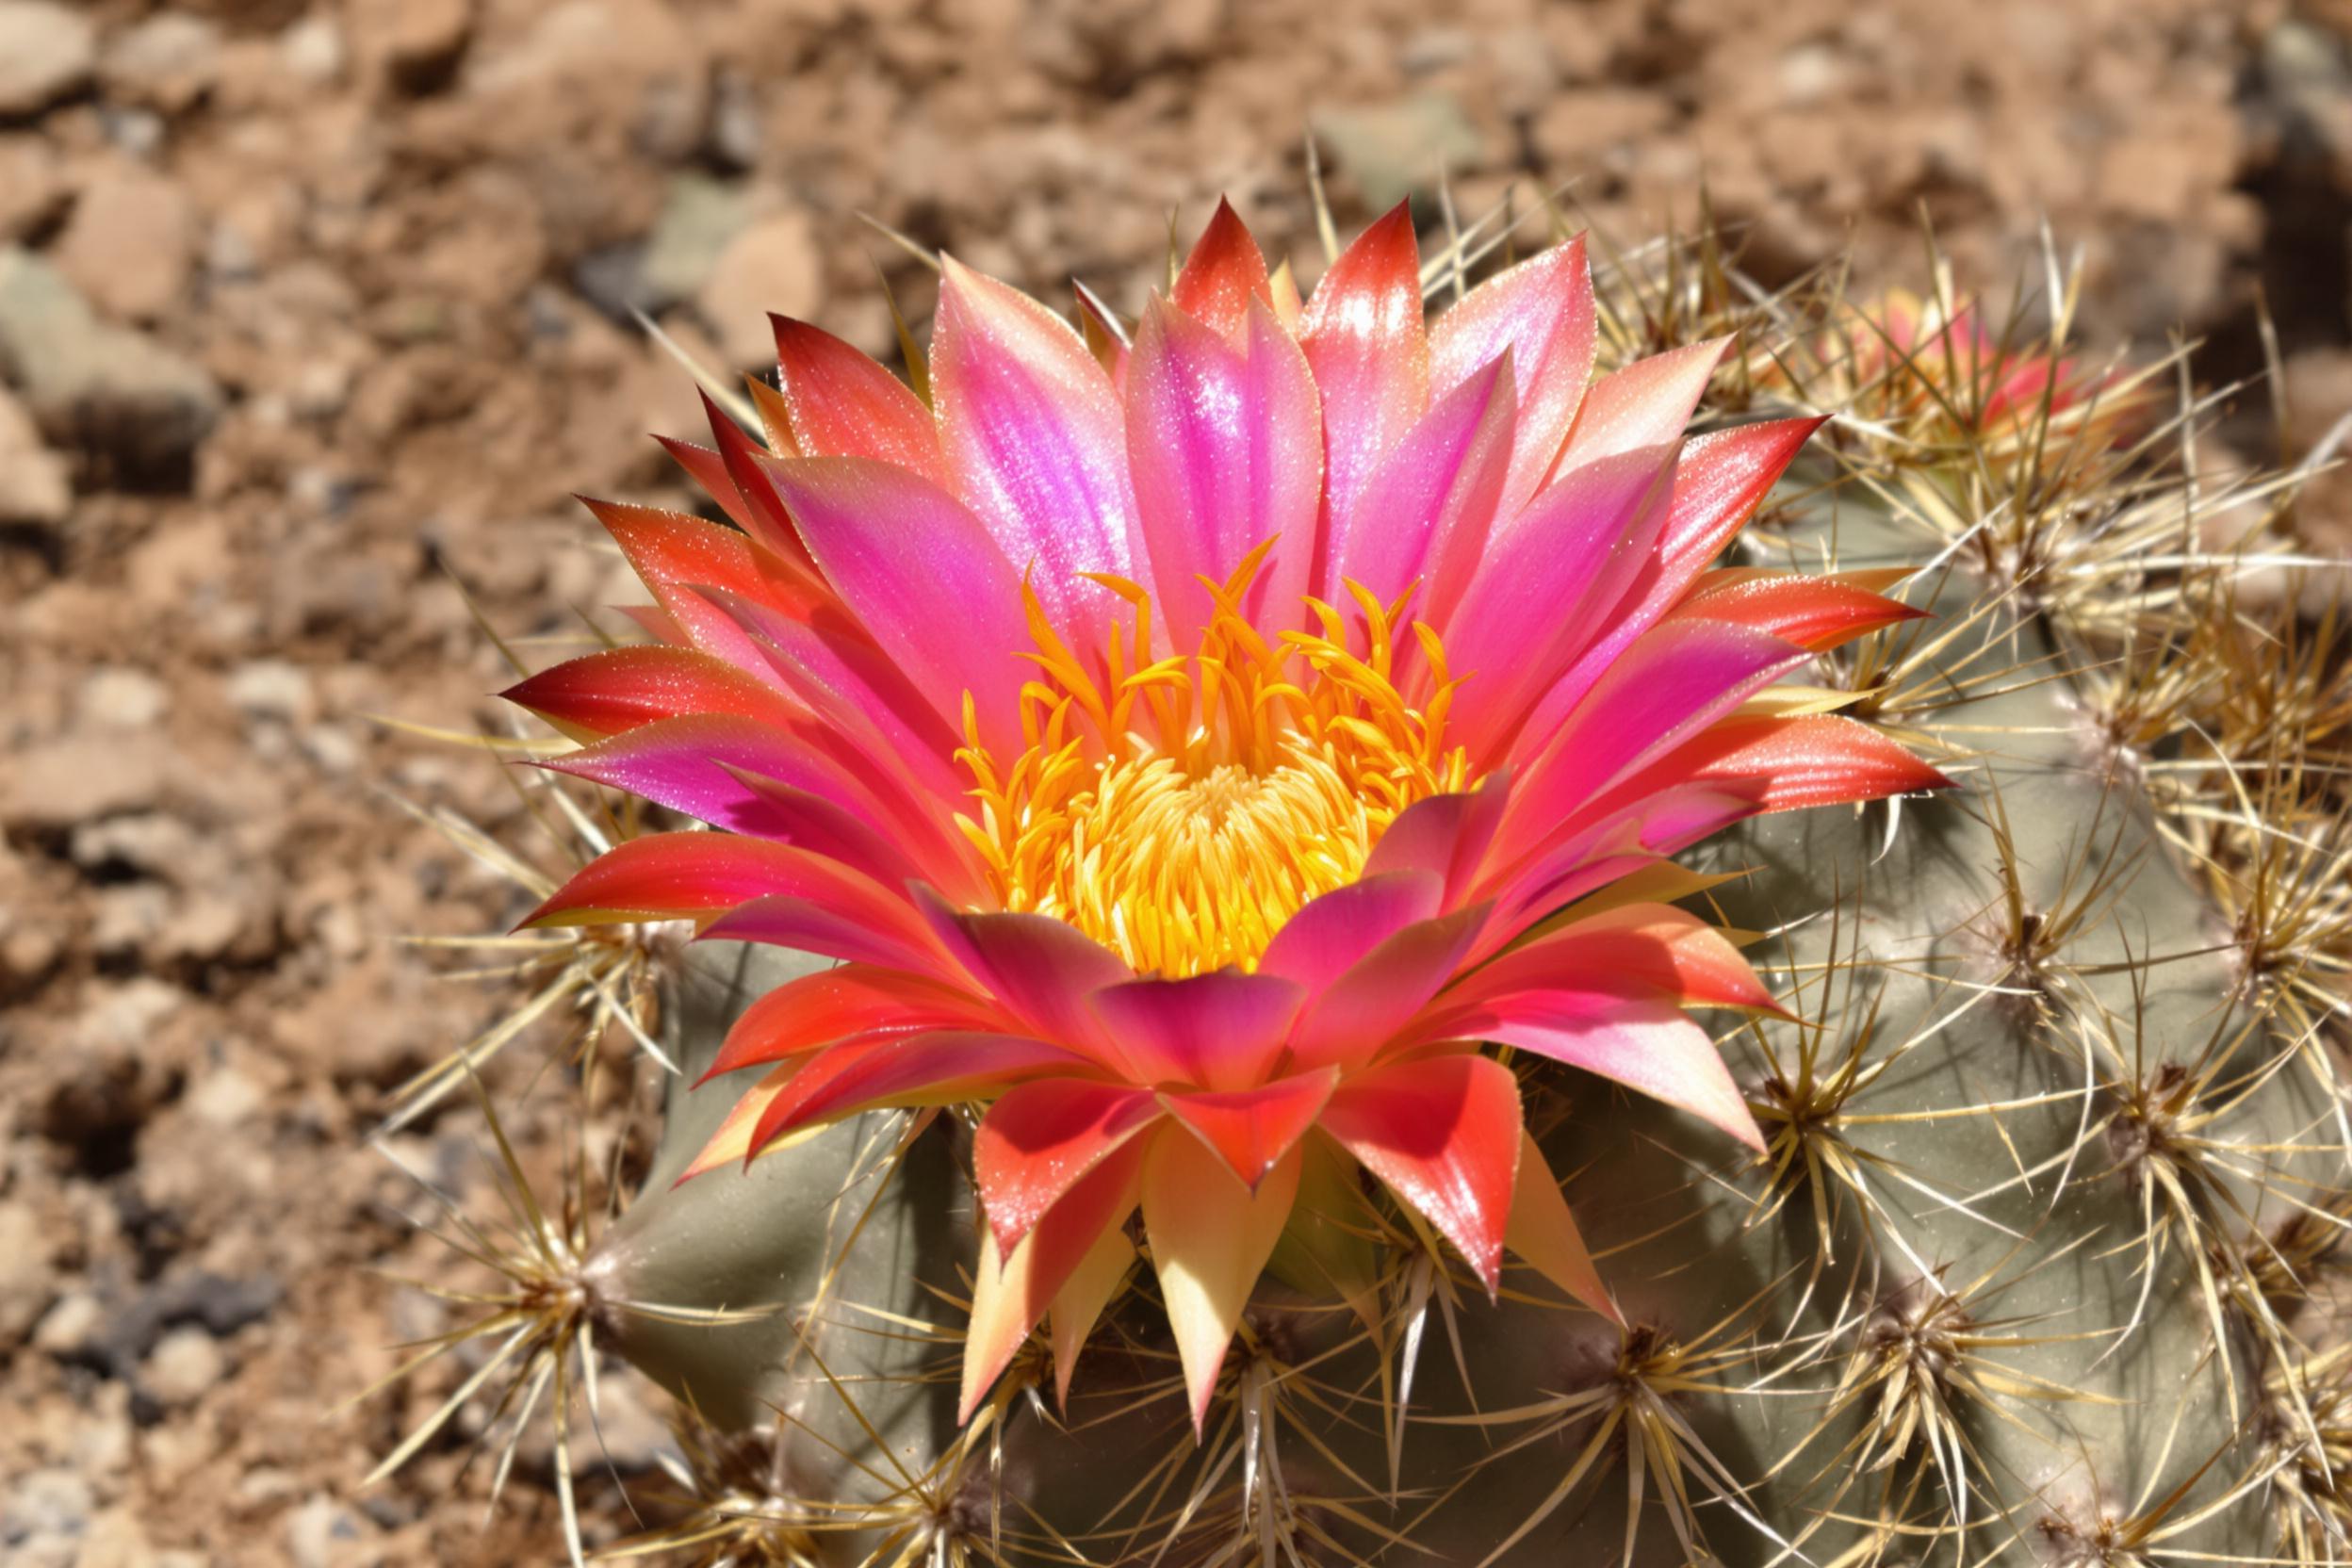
(313, 310)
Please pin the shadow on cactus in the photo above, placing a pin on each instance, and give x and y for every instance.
(1315, 946)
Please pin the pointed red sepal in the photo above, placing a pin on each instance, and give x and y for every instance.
(1041, 1139)
(619, 689)
(1251, 1130)
(1786, 763)
(1544, 1234)
(1061, 1265)
(1443, 1132)
(907, 1070)
(844, 404)
(671, 876)
(837, 1003)
(1221, 275)
(1815, 613)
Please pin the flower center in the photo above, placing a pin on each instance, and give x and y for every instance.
(1181, 810)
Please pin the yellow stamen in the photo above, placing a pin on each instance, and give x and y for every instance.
(1181, 810)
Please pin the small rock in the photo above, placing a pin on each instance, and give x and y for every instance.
(67, 1329)
(167, 63)
(117, 696)
(772, 266)
(79, 778)
(108, 390)
(312, 49)
(52, 1502)
(183, 1367)
(318, 1534)
(131, 245)
(26, 1280)
(32, 187)
(697, 221)
(271, 689)
(46, 51)
(151, 843)
(35, 490)
(1400, 149)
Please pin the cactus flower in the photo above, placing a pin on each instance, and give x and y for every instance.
(1199, 747)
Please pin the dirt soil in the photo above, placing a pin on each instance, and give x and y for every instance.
(312, 309)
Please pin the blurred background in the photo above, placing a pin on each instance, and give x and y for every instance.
(311, 310)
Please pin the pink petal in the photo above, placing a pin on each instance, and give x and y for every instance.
(1433, 499)
(1225, 271)
(1542, 311)
(1251, 1130)
(1668, 686)
(1040, 968)
(823, 827)
(815, 1010)
(1216, 1031)
(1223, 441)
(1636, 948)
(619, 689)
(908, 1070)
(824, 926)
(1553, 573)
(1329, 934)
(694, 765)
(1444, 1134)
(844, 404)
(1035, 439)
(1366, 1007)
(747, 462)
(1645, 404)
(923, 578)
(1363, 336)
(1648, 1046)
(1041, 1139)
(1009, 1295)
(1720, 480)
(1447, 836)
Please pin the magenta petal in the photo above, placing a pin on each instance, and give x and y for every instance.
(820, 926)
(1542, 311)
(1252, 1129)
(1038, 446)
(1445, 835)
(1329, 934)
(685, 764)
(1039, 967)
(1645, 404)
(1648, 1046)
(1224, 445)
(1669, 686)
(1719, 482)
(909, 1070)
(923, 578)
(1433, 499)
(1366, 1007)
(1362, 335)
(1216, 1031)
(801, 817)
(1547, 579)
